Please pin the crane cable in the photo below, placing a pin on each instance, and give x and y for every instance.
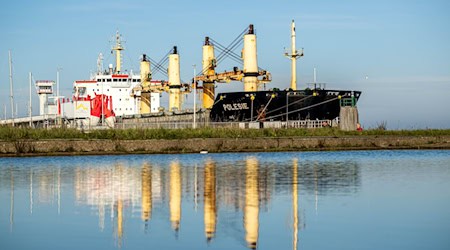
(304, 108)
(223, 52)
(231, 46)
(159, 66)
(224, 49)
(228, 51)
(292, 103)
(297, 110)
(262, 112)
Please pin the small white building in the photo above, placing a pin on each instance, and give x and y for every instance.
(44, 89)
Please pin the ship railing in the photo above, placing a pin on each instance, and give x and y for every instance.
(305, 124)
(310, 124)
(39, 121)
(176, 125)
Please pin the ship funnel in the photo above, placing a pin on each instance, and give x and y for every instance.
(251, 30)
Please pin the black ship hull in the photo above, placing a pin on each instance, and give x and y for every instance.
(281, 105)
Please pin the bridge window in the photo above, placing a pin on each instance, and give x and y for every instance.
(82, 90)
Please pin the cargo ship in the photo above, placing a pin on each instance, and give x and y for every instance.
(254, 105)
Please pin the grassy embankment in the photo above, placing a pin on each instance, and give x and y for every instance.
(13, 134)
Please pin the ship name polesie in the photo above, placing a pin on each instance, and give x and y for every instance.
(235, 106)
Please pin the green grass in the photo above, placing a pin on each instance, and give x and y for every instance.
(13, 134)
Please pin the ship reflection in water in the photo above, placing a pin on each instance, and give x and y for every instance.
(184, 201)
(156, 191)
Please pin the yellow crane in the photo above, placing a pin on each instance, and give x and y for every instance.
(251, 75)
(173, 86)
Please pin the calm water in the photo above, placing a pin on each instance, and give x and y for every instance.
(306, 200)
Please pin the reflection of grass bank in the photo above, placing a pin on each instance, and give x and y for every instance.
(15, 142)
(12, 134)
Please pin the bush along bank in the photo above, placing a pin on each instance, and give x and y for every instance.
(13, 134)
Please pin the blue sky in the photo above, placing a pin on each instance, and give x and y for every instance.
(402, 46)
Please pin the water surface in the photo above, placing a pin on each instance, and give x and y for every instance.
(305, 200)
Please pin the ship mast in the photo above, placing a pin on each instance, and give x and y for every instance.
(11, 95)
(118, 47)
(293, 56)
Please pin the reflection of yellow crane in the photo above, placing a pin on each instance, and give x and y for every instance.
(251, 75)
(175, 195)
(210, 200)
(119, 222)
(251, 210)
(146, 185)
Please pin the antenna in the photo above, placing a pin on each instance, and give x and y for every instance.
(30, 108)
(315, 75)
(100, 64)
(11, 95)
(58, 69)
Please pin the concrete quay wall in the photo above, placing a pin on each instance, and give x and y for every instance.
(195, 145)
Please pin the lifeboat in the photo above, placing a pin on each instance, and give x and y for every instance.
(102, 105)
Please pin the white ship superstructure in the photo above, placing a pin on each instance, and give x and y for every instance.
(112, 84)
(116, 86)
